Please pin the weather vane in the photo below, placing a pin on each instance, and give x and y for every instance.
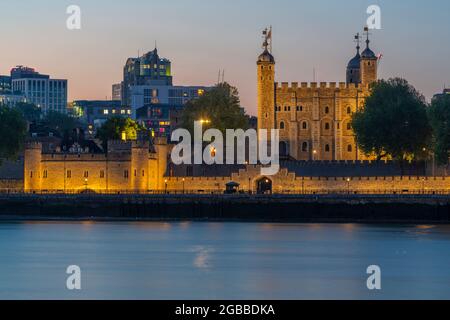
(267, 34)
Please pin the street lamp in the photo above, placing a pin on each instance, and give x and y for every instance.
(314, 154)
(165, 188)
(86, 184)
(183, 184)
(348, 185)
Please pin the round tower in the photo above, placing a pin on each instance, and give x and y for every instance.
(369, 64)
(32, 167)
(354, 65)
(266, 86)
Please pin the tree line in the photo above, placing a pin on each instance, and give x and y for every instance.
(397, 122)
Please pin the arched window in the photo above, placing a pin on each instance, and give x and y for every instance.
(304, 125)
(349, 148)
(349, 126)
(327, 126)
(282, 125)
(349, 110)
(327, 110)
(305, 146)
(327, 148)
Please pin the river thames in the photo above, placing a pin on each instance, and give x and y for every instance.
(194, 260)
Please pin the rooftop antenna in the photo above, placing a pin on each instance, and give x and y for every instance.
(223, 76)
(218, 78)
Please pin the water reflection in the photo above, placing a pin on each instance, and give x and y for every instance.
(190, 260)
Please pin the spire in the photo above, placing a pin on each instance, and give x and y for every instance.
(358, 42)
(366, 31)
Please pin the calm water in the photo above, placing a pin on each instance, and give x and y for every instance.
(223, 260)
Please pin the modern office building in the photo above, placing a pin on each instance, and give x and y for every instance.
(5, 84)
(444, 92)
(95, 112)
(117, 92)
(48, 94)
(148, 80)
(148, 69)
(160, 119)
(10, 99)
(167, 95)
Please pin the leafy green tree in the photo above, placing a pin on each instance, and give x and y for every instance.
(60, 122)
(439, 114)
(393, 122)
(13, 130)
(30, 112)
(114, 127)
(219, 108)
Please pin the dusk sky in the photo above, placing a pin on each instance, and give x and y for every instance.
(200, 37)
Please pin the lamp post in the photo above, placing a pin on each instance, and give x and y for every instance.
(348, 185)
(86, 184)
(165, 186)
(249, 185)
(314, 155)
(183, 184)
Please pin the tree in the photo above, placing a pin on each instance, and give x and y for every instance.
(393, 122)
(13, 130)
(220, 107)
(114, 127)
(30, 112)
(60, 122)
(439, 114)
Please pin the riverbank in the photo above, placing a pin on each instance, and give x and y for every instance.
(246, 208)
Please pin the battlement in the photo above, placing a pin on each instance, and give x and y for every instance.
(33, 145)
(319, 85)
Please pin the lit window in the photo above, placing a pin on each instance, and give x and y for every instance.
(200, 92)
(128, 111)
(105, 111)
(122, 111)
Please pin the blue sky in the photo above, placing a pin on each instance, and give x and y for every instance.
(201, 37)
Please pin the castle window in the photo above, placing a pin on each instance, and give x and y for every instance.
(31, 174)
(327, 148)
(338, 126)
(102, 174)
(327, 110)
(282, 125)
(305, 147)
(135, 172)
(45, 175)
(349, 126)
(125, 174)
(304, 125)
(289, 108)
(349, 110)
(327, 126)
(349, 148)
(69, 174)
(143, 173)
(86, 174)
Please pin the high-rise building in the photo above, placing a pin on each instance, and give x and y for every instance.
(5, 84)
(148, 81)
(117, 92)
(148, 69)
(444, 93)
(47, 94)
